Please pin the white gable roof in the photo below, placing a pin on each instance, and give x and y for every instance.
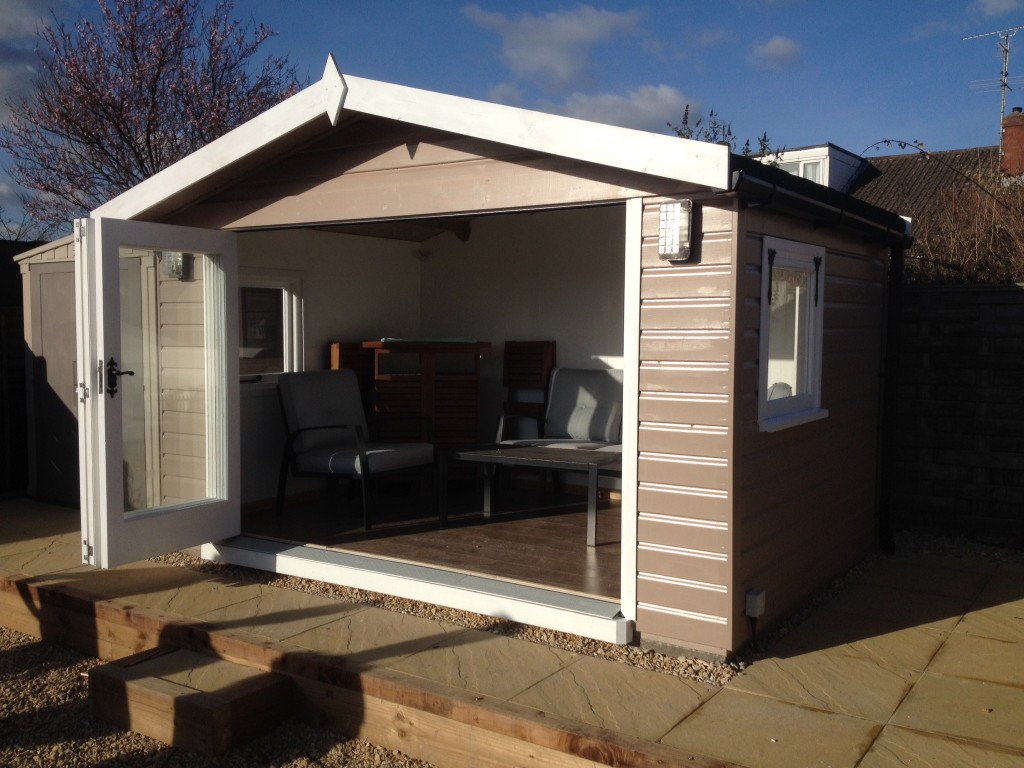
(334, 95)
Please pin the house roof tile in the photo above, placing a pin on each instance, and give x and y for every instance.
(910, 184)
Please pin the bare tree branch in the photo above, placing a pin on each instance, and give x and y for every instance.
(121, 99)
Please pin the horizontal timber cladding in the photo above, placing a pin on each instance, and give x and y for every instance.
(684, 494)
(805, 497)
(385, 169)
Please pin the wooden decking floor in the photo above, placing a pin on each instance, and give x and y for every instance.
(538, 545)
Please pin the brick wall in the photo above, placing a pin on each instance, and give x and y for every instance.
(959, 455)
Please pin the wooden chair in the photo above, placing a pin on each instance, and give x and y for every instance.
(527, 367)
(328, 435)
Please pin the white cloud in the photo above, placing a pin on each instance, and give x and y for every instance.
(777, 53)
(647, 108)
(505, 93)
(553, 49)
(998, 7)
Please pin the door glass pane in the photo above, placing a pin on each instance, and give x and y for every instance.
(165, 399)
(789, 332)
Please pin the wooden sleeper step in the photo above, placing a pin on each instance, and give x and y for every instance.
(189, 700)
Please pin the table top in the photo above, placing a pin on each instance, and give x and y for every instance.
(538, 456)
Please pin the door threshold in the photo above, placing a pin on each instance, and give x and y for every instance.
(525, 604)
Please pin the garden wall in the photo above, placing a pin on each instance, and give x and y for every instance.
(959, 458)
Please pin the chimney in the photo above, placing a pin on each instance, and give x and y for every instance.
(1012, 160)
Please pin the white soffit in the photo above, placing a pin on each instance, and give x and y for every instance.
(695, 162)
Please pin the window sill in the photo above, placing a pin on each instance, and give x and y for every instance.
(778, 423)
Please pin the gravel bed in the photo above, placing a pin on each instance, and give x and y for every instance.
(45, 720)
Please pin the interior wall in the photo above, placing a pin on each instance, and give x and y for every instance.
(529, 276)
(353, 288)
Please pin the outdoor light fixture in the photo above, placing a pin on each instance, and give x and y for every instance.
(176, 265)
(674, 230)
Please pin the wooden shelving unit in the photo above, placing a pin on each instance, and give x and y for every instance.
(437, 380)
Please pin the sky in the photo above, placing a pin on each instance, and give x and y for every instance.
(804, 72)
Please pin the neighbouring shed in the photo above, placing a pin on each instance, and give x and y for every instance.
(48, 287)
(745, 307)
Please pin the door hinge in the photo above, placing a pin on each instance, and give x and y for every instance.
(86, 551)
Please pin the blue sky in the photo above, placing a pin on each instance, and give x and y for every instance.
(851, 72)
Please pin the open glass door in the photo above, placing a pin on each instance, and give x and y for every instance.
(157, 325)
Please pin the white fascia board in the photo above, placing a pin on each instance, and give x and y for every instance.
(654, 154)
(322, 99)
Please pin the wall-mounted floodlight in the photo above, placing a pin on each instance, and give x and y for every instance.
(176, 265)
(674, 230)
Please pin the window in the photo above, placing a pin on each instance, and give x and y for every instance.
(792, 314)
(807, 169)
(269, 321)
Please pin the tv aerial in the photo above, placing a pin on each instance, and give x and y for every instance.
(1004, 83)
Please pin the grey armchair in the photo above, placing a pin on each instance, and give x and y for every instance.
(328, 435)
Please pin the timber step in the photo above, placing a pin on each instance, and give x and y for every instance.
(189, 700)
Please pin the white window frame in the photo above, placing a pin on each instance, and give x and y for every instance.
(781, 413)
(289, 282)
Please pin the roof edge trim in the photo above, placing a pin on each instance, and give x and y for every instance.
(643, 152)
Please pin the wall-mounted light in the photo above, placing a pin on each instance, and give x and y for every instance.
(674, 230)
(176, 265)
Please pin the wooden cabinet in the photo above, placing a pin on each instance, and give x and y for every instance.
(438, 380)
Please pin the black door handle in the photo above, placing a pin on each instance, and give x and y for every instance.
(112, 373)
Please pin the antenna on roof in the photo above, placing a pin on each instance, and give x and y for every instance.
(1004, 81)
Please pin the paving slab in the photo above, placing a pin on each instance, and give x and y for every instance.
(58, 556)
(36, 517)
(897, 608)
(135, 582)
(486, 663)
(276, 613)
(374, 637)
(903, 748)
(909, 648)
(840, 680)
(966, 709)
(981, 658)
(764, 732)
(999, 621)
(625, 699)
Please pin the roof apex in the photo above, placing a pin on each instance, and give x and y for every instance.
(334, 95)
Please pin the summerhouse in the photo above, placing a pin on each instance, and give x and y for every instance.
(743, 306)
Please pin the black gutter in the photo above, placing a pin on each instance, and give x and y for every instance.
(757, 184)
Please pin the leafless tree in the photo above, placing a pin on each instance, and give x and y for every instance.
(122, 98)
